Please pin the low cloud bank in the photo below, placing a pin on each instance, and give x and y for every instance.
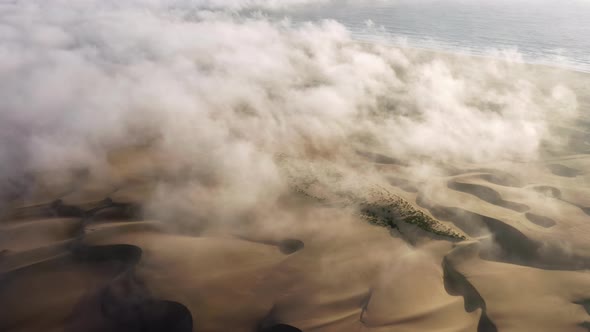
(222, 94)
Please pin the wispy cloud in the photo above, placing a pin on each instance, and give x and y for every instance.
(221, 94)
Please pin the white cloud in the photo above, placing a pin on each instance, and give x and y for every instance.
(225, 93)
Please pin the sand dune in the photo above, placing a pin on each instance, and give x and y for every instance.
(120, 272)
(356, 241)
(540, 220)
(546, 300)
(562, 170)
(487, 194)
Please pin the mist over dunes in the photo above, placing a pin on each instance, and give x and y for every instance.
(206, 166)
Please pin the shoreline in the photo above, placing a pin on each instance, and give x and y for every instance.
(469, 53)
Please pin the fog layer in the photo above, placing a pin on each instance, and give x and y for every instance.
(219, 95)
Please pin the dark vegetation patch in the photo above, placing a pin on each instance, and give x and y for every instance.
(392, 213)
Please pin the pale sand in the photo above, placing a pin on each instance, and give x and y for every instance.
(329, 271)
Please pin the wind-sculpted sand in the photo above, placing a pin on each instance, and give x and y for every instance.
(102, 266)
(271, 177)
(119, 275)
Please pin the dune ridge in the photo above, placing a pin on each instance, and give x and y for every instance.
(271, 176)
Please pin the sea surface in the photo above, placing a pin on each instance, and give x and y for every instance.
(540, 31)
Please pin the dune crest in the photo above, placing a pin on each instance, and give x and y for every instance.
(182, 166)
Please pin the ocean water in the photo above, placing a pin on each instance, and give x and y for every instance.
(541, 31)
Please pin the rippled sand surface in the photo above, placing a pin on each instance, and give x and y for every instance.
(495, 246)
